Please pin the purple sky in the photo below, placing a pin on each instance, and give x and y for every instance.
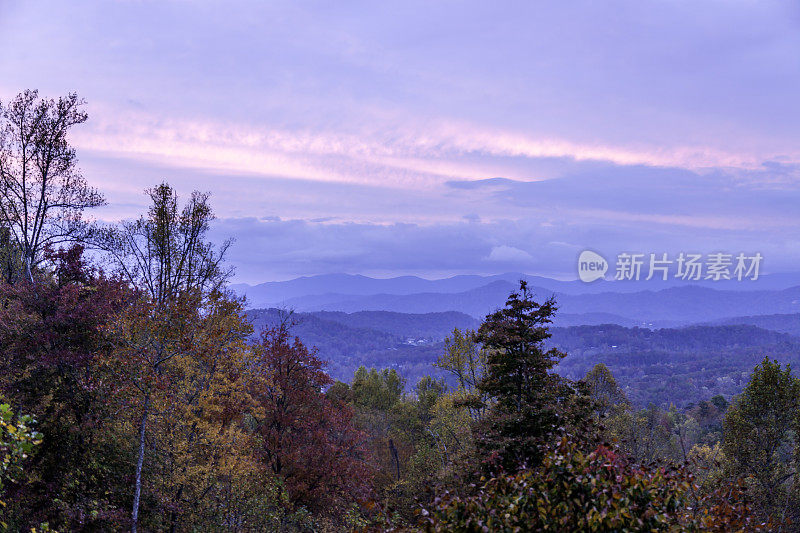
(411, 138)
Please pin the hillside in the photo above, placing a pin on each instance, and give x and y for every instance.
(407, 342)
(662, 366)
(334, 340)
(785, 323)
(676, 365)
(408, 326)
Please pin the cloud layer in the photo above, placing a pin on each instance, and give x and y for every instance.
(435, 138)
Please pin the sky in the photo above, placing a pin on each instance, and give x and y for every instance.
(435, 138)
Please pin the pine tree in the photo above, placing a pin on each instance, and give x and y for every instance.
(528, 403)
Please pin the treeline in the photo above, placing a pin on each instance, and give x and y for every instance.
(678, 366)
(340, 342)
(134, 396)
(348, 341)
(682, 366)
(597, 339)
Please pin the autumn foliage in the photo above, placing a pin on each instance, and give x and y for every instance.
(597, 491)
(308, 439)
(249, 432)
(139, 397)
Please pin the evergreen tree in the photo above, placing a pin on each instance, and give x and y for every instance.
(528, 402)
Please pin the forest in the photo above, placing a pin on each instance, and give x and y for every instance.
(680, 366)
(137, 394)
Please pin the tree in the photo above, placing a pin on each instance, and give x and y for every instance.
(603, 389)
(189, 377)
(516, 363)
(11, 263)
(528, 402)
(428, 391)
(308, 439)
(466, 361)
(42, 192)
(601, 490)
(443, 450)
(55, 342)
(450, 428)
(165, 255)
(17, 440)
(760, 439)
(377, 389)
(201, 449)
(463, 358)
(652, 434)
(378, 398)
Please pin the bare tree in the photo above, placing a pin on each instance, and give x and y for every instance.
(42, 192)
(167, 253)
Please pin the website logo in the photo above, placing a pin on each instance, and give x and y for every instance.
(685, 266)
(591, 266)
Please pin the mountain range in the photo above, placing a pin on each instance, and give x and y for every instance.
(278, 293)
(653, 305)
(666, 342)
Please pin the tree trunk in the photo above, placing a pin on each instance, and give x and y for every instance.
(174, 515)
(139, 463)
(396, 457)
(28, 271)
